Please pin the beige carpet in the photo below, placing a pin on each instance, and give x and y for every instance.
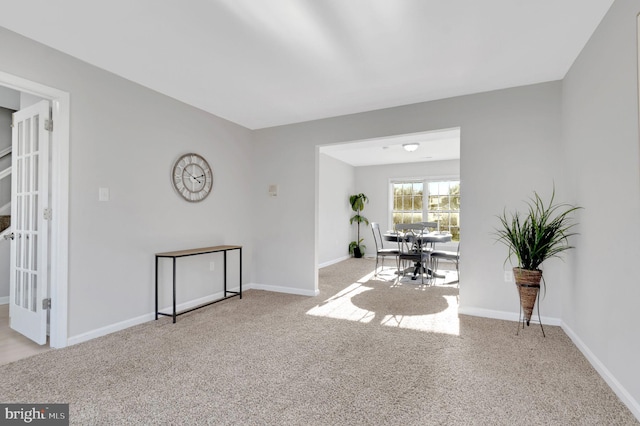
(364, 352)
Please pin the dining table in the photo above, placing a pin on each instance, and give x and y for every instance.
(425, 238)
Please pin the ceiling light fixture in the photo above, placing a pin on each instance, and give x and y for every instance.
(410, 147)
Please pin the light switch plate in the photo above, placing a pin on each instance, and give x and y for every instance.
(103, 194)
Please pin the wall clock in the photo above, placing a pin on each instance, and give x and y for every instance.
(192, 177)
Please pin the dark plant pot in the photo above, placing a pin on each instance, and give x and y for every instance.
(357, 253)
(528, 283)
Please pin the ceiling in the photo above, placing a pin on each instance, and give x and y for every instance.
(264, 63)
(432, 146)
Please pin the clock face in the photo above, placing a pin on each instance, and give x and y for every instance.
(192, 177)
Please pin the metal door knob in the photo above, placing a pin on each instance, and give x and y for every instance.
(9, 236)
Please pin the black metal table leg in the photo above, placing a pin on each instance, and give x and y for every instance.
(225, 273)
(156, 288)
(174, 290)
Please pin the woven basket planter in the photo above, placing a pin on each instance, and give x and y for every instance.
(528, 283)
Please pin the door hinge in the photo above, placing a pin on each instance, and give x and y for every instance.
(47, 214)
(48, 125)
(46, 304)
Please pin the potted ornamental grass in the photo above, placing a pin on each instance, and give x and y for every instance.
(542, 232)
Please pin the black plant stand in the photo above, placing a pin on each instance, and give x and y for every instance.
(521, 318)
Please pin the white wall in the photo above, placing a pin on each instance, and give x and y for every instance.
(286, 261)
(9, 98)
(600, 117)
(336, 184)
(374, 182)
(126, 137)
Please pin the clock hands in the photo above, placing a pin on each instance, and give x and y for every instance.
(197, 179)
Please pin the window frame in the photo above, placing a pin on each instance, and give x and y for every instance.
(392, 196)
(425, 194)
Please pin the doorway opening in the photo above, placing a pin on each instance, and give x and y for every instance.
(369, 166)
(59, 200)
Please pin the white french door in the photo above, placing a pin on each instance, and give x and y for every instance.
(29, 203)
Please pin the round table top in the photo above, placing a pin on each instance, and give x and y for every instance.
(431, 237)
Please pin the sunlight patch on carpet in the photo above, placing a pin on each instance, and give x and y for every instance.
(352, 302)
(340, 306)
(446, 322)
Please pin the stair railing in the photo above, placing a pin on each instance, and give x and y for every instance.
(6, 172)
(5, 152)
(6, 234)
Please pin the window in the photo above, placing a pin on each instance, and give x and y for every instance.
(407, 202)
(442, 204)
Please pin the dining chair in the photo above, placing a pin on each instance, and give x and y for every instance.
(453, 256)
(381, 251)
(411, 248)
(433, 226)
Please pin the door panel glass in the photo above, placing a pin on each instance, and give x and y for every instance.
(36, 125)
(34, 292)
(35, 172)
(26, 220)
(27, 174)
(27, 252)
(34, 252)
(18, 239)
(25, 297)
(27, 136)
(20, 138)
(35, 212)
(19, 176)
(18, 289)
(17, 220)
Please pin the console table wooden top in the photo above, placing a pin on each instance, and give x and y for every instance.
(203, 250)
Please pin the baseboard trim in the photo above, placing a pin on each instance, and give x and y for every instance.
(288, 290)
(614, 384)
(112, 328)
(502, 315)
(333, 262)
(4, 300)
(103, 331)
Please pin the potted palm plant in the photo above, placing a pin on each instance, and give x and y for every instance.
(533, 237)
(357, 201)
